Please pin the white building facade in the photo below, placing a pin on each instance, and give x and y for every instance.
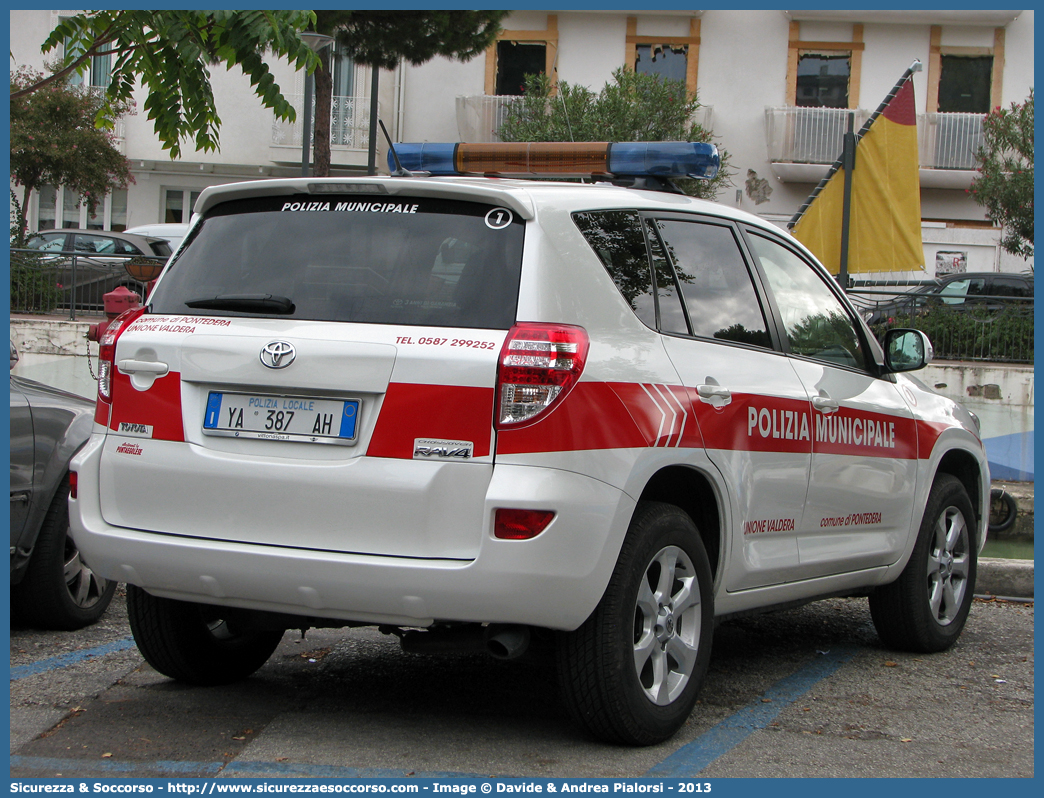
(777, 87)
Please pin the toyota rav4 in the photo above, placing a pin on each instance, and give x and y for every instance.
(481, 410)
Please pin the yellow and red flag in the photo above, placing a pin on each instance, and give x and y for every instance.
(885, 215)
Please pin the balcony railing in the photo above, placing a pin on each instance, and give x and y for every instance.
(808, 135)
(814, 136)
(950, 141)
(349, 123)
(480, 116)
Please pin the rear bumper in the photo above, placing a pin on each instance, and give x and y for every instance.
(554, 580)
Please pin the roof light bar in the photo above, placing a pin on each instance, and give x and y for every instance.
(563, 159)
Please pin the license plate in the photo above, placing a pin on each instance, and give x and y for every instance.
(281, 418)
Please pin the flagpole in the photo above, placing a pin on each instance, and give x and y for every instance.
(848, 152)
(916, 66)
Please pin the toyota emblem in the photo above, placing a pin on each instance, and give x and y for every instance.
(278, 354)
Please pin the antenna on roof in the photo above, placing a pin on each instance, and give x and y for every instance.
(399, 170)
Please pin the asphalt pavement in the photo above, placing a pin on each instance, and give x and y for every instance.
(808, 692)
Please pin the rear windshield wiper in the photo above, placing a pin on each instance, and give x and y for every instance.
(247, 303)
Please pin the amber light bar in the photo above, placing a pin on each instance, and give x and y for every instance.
(562, 159)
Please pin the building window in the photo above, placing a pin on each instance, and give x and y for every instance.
(822, 80)
(515, 60)
(343, 73)
(47, 204)
(59, 208)
(99, 72)
(671, 57)
(70, 210)
(824, 74)
(667, 61)
(177, 204)
(518, 53)
(964, 79)
(965, 84)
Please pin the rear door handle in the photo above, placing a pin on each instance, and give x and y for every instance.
(713, 391)
(714, 395)
(143, 367)
(824, 404)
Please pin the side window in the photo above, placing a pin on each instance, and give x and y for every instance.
(672, 316)
(816, 322)
(48, 243)
(91, 244)
(715, 284)
(617, 239)
(1010, 286)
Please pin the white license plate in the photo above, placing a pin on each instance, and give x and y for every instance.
(281, 418)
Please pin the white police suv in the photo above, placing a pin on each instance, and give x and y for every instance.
(473, 409)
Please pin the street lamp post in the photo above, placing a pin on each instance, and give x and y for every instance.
(317, 42)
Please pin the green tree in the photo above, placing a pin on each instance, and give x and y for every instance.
(632, 107)
(54, 141)
(171, 52)
(1005, 184)
(381, 38)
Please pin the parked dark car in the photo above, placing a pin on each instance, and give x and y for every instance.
(100, 262)
(969, 290)
(51, 586)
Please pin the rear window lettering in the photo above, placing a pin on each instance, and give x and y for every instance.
(351, 207)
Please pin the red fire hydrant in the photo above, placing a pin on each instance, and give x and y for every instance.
(115, 302)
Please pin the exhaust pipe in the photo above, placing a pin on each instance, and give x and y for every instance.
(506, 641)
(500, 641)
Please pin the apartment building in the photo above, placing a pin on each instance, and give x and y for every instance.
(777, 88)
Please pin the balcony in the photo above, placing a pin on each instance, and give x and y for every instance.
(349, 130)
(480, 116)
(948, 143)
(804, 142)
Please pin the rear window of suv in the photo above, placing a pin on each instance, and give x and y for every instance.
(362, 258)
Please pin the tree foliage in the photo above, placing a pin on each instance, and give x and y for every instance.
(1005, 184)
(632, 107)
(381, 38)
(54, 141)
(171, 52)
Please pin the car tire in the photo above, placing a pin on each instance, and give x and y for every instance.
(1003, 510)
(631, 673)
(59, 590)
(925, 609)
(194, 643)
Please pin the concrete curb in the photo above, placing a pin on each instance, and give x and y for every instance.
(1009, 578)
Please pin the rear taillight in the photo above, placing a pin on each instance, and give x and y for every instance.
(107, 357)
(539, 364)
(520, 524)
(72, 484)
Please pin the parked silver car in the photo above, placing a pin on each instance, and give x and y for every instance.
(51, 586)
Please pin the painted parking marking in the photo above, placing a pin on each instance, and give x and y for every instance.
(72, 658)
(693, 757)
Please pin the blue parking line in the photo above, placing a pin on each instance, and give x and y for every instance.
(693, 757)
(73, 658)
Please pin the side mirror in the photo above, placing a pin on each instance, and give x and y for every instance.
(907, 350)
